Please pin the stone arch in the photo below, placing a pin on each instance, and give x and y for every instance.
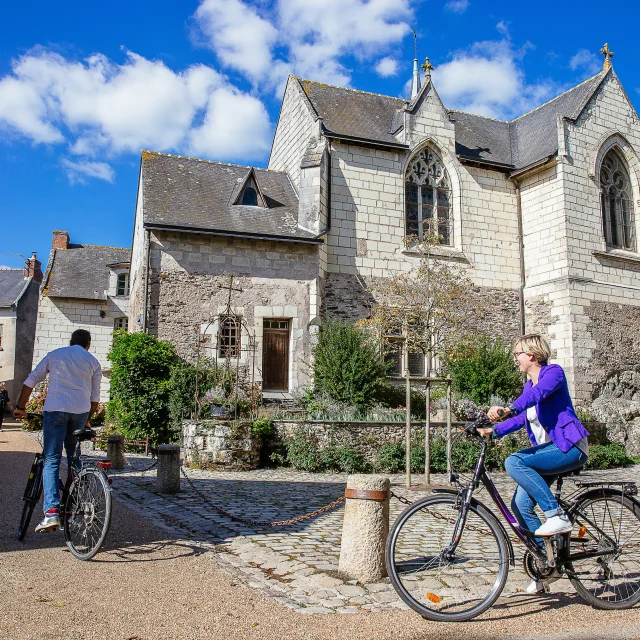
(614, 140)
(450, 164)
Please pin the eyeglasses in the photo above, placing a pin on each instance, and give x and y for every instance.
(518, 353)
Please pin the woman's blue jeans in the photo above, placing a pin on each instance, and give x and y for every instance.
(57, 430)
(535, 469)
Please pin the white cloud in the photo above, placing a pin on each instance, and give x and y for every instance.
(78, 170)
(306, 37)
(585, 60)
(241, 38)
(102, 109)
(487, 80)
(387, 67)
(234, 120)
(457, 6)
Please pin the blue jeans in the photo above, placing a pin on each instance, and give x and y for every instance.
(535, 469)
(57, 430)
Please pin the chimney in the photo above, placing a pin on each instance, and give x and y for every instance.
(60, 240)
(33, 268)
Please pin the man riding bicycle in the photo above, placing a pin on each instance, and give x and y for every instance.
(72, 398)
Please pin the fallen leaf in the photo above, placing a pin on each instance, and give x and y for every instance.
(254, 624)
(58, 604)
(433, 597)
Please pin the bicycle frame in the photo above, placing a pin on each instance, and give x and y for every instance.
(548, 556)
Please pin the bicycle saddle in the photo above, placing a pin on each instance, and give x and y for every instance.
(84, 434)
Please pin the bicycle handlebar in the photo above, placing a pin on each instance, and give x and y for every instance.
(482, 422)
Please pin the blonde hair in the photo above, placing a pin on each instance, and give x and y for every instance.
(534, 344)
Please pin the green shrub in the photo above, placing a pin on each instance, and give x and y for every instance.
(343, 458)
(391, 458)
(607, 456)
(140, 386)
(348, 364)
(261, 427)
(481, 368)
(302, 451)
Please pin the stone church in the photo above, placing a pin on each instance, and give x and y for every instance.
(539, 210)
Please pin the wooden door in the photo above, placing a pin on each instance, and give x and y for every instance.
(275, 355)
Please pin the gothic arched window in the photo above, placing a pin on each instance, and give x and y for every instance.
(617, 203)
(428, 197)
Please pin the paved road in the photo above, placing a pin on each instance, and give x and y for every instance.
(147, 584)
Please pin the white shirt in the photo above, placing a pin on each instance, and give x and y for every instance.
(542, 436)
(74, 379)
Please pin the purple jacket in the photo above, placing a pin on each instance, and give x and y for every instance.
(553, 406)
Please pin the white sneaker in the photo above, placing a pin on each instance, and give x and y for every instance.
(50, 523)
(554, 525)
(543, 586)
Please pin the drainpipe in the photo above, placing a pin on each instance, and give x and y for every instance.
(521, 251)
(146, 283)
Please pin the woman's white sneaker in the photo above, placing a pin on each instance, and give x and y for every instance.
(554, 525)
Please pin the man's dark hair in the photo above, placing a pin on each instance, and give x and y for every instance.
(80, 337)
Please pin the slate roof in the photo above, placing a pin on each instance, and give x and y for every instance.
(81, 271)
(354, 114)
(515, 144)
(12, 283)
(189, 193)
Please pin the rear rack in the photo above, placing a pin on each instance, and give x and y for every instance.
(629, 488)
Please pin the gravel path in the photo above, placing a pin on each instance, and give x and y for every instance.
(146, 585)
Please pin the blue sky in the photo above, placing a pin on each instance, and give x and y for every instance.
(85, 86)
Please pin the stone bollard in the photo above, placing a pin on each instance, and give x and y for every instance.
(365, 528)
(168, 478)
(115, 450)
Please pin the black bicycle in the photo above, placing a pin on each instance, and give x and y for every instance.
(85, 501)
(448, 555)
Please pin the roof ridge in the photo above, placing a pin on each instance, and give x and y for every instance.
(194, 159)
(99, 246)
(369, 93)
(544, 104)
(477, 115)
(11, 268)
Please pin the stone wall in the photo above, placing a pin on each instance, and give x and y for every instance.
(188, 277)
(58, 318)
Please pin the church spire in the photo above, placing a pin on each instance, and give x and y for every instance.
(415, 82)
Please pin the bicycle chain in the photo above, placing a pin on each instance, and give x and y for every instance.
(260, 523)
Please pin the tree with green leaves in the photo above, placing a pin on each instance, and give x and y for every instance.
(348, 364)
(140, 385)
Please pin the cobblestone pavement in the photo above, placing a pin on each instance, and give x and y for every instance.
(297, 564)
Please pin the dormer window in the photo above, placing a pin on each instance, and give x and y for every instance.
(250, 197)
(247, 192)
(122, 285)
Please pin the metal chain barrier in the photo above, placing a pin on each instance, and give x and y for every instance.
(259, 523)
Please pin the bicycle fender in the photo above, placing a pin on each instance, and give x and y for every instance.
(474, 502)
(598, 492)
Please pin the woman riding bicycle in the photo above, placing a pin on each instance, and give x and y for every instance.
(559, 439)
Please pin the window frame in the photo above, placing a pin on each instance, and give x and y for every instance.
(618, 220)
(125, 289)
(234, 350)
(427, 174)
(119, 319)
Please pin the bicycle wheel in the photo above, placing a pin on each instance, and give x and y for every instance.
(87, 513)
(32, 494)
(611, 581)
(440, 586)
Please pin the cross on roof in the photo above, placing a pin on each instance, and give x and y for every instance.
(427, 67)
(608, 54)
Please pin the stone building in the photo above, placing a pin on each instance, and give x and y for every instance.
(540, 210)
(84, 287)
(18, 314)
